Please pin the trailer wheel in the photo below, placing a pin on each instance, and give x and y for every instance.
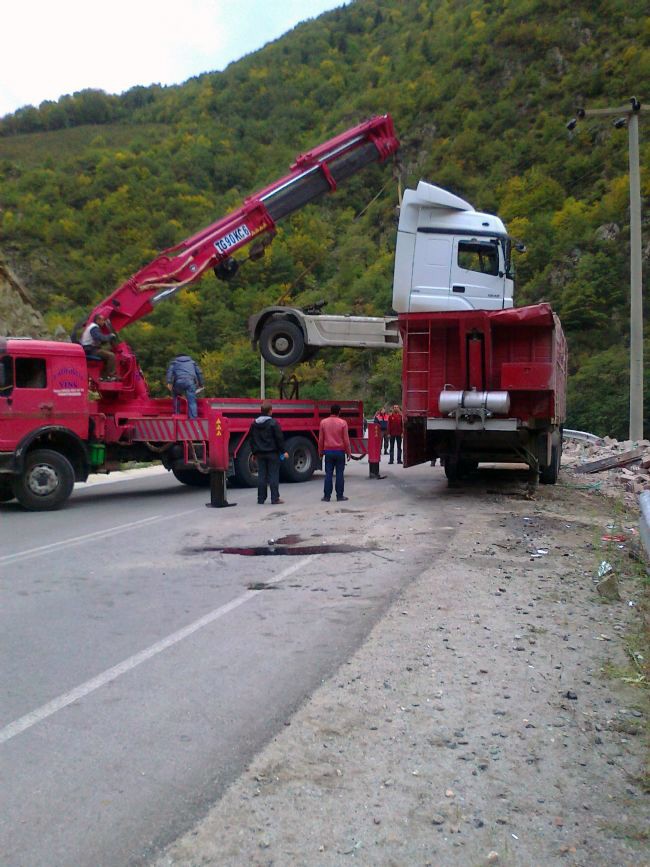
(451, 470)
(549, 475)
(46, 482)
(282, 343)
(193, 478)
(302, 460)
(246, 466)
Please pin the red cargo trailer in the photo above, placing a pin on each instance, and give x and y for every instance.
(481, 385)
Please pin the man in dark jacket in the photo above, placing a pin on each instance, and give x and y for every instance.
(267, 444)
(395, 430)
(184, 376)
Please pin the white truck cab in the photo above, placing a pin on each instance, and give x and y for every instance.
(449, 256)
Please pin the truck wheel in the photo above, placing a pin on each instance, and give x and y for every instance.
(451, 470)
(6, 489)
(302, 460)
(192, 478)
(466, 467)
(282, 342)
(246, 467)
(549, 475)
(46, 482)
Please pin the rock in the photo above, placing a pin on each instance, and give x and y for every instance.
(608, 588)
(607, 232)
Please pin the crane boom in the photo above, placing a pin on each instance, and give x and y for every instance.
(314, 173)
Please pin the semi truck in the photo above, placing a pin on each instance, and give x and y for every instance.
(60, 421)
(482, 380)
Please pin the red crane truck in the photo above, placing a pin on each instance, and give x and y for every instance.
(59, 421)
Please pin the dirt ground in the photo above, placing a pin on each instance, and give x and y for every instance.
(490, 718)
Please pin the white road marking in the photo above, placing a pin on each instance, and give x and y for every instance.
(79, 692)
(78, 540)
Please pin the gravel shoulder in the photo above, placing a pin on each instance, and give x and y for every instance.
(481, 722)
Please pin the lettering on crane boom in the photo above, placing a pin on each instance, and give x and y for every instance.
(232, 238)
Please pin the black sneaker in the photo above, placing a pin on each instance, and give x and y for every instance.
(325, 499)
(340, 499)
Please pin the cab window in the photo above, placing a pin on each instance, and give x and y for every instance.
(6, 375)
(30, 373)
(477, 256)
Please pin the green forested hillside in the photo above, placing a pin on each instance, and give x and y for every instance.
(93, 186)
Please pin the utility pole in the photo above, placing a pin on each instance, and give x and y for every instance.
(628, 115)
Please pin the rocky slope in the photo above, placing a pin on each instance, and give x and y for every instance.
(18, 317)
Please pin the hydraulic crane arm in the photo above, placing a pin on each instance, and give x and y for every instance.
(316, 172)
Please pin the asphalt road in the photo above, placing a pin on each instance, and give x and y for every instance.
(143, 668)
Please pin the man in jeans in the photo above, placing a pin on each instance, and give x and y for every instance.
(184, 376)
(267, 444)
(395, 430)
(334, 446)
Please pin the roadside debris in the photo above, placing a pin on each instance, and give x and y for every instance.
(623, 468)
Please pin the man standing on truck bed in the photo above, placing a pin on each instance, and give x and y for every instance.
(267, 444)
(184, 376)
(334, 444)
(93, 338)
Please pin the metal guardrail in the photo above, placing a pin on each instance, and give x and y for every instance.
(582, 436)
(644, 521)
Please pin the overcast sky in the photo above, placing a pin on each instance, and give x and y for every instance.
(53, 47)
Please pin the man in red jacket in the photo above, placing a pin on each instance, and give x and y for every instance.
(395, 429)
(334, 446)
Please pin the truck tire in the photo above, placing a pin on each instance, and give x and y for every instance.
(282, 343)
(46, 482)
(451, 470)
(302, 460)
(6, 489)
(549, 475)
(193, 478)
(246, 467)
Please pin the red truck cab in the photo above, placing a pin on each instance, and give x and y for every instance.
(44, 418)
